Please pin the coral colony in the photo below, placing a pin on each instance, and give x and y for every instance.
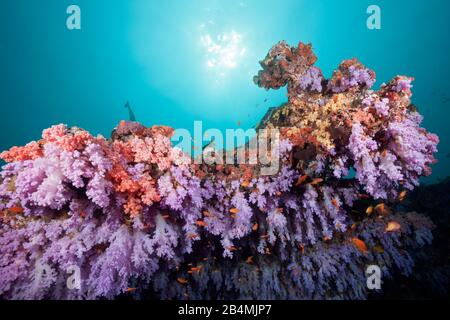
(85, 217)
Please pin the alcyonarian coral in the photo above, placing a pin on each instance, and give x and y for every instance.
(133, 215)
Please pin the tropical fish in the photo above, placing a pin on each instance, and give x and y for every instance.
(234, 210)
(201, 223)
(16, 209)
(402, 195)
(369, 210)
(360, 245)
(302, 248)
(207, 214)
(316, 181)
(335, 203)
(182, 280)
(382, 209)
(130, 290)
(392, 227)
(255, 227)
(130, 112)
(245, 183)
(196, 269)
(249, 260)
(301, 180)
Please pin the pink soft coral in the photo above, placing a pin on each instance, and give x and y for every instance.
(31, 151)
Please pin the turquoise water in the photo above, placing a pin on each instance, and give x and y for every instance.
(155, 54)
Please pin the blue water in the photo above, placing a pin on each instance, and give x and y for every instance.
(152, 54)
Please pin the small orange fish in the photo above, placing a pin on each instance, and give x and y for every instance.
(392, 227)
(207, 213)
(301, 180)
(16, 209)
(192, 236)
(265, 236)
(234, 210)
(360, 245)
(335, 203)
(302, 248)
(255, 227)
(182, 280)
(369, 210)
(382, 209)
(363, 196)
(384, 153)
(278, 193)
(205, 259)
(83, 214)
(279, 210)
(245, 183)
(326, 238)
(201, 223)
(316, 181)
(196, 269)
(231, 248)
(402, 195)
(130, 290)
(249, 260)
(166, 216)
(267, 251)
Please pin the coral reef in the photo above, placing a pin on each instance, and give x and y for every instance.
(138, 218)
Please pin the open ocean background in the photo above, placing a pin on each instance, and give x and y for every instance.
(155, 54)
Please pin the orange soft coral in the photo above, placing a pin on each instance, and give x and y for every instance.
(30, 151)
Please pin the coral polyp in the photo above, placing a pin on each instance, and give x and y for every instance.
(135, 216)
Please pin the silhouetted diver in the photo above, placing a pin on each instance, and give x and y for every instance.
(130, 112)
